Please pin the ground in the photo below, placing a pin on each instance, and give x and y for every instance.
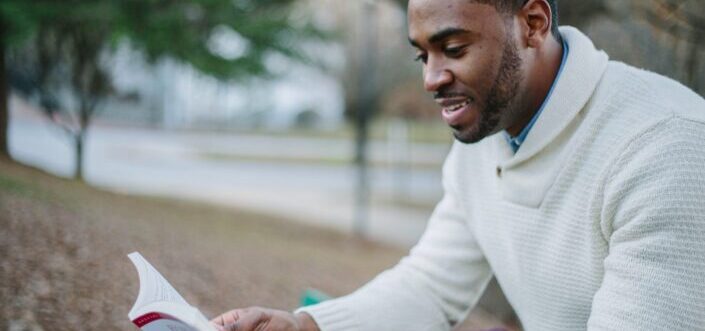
(64, 264)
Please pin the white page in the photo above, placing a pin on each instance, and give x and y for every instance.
(153, 286)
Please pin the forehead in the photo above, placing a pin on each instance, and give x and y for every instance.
(427, 17)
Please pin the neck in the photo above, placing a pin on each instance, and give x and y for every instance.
(541, 76)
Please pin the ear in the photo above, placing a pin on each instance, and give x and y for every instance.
(535, 21)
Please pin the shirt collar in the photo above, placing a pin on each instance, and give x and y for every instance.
(515, 142)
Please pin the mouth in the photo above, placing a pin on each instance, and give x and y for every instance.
(451, 107)
(456, 111)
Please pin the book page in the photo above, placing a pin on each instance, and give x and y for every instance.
(159, 307)
(153, 286)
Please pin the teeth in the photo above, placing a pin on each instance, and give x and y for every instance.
(458, 106)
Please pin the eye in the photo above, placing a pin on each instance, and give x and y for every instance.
(422, 57)
(454, 51)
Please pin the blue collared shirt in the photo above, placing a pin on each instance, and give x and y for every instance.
(515, 142)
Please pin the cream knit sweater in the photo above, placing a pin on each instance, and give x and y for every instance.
(596, 223)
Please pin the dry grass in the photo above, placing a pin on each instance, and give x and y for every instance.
(63, 248)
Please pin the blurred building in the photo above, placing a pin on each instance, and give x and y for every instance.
(174, 95)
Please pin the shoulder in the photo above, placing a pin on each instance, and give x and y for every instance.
(631, 104)
(651, 95)
(662, 135)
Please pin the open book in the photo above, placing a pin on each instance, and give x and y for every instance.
(159, 307)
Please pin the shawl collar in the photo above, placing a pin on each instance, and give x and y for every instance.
(527, 176)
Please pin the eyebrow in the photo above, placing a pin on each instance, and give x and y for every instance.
(441, 35)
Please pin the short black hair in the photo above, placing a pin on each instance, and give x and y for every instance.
(512, 6)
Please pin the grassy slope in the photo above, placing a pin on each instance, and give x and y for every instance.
(63, 247)
(63, 263)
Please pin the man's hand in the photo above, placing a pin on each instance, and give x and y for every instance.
(262, 319)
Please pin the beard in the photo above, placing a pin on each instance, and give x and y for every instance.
(498, 103)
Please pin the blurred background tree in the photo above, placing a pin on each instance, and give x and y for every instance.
(683, 22)
(57, 50)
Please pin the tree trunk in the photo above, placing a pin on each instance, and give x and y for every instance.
(366, 102)
(78, 140)
(692, 61)
(4, 104)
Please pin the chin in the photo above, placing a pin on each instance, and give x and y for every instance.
(475, 133)
(483, 127)
(468, 136)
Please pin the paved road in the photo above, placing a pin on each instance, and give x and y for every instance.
(176, 164)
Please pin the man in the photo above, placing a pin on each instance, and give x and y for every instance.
(578, 182)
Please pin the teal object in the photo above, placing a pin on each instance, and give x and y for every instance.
(312, 297)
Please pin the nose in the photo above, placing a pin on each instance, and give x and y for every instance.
(436, 76)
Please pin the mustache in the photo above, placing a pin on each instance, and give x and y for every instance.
(449, 94)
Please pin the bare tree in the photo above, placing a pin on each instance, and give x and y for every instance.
(68, 60)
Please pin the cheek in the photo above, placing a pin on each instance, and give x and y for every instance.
(477, 70)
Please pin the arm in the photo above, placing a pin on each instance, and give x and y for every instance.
(653, 216)
(431, 289)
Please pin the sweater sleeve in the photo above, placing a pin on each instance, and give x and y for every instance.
(653, 218)
(432, 288)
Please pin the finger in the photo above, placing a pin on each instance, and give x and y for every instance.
(248, 321)
(218, 320)
(227, 318)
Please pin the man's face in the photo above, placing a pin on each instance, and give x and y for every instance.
(470, 63)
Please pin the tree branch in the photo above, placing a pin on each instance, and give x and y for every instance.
(672, 27)
(686, 17)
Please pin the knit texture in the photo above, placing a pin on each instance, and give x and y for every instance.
(597, 223)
